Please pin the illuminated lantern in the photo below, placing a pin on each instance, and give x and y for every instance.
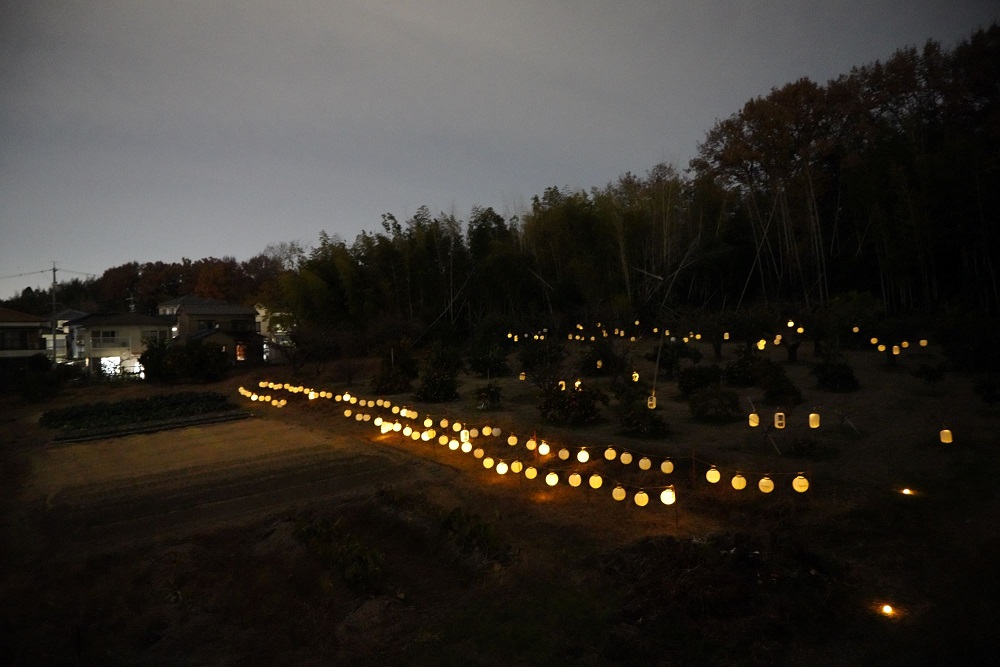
(626, 458)
(887, 610)
(474, 433)
(907, 492)
(777, 340)
(874, 341)
(791, 324)
(946, 436)
(397, 427)
(583, 456)
(814, 420)
(487, 430)
(667, 496)
(697, 336)
(651, 402)
(531, 444)
(923, 342)
(355, 400)
(253, 397)
(610, 454)
(478, 453)
(619, 493)
(466, 447)
(779, 420)
(530, 472)
(512, 440)
(564, 454)
(516, 467)
(635, 376)
(552, 479)
(856, 329)
(599, 363)
(488, 462)
(765, 485)
(407, 430)
(800, 330)
(685, 339)
(496, 432)
(895, 349)
(562, 385)
(575, 480)
(761, 344)
(725, 336)
(739, 482)
(428, 422)
(667, 467)
(645, 463)
(595, 481)
(464, 436)
(347, 413)
(754, 420)
(713, 475)
(905, 344)
(520, 375)
(501, 468)
(641, 499)
(443, 440)
(378, 402)
(881, 348)
(425, 436)
(543, 448)
(800, 483)
(415, 435)
(576, 385)
(453, 445)
(395, 409)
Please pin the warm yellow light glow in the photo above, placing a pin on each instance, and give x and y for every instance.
(531, 444)
(464, 436)
(474, 433)
(574, 479)
(619, 493)
(595, 481)
(667, 467)
(397, 427)
(552, 479)
(562, 385)
(645, 463)
(856, 329)
(456, 427)
(395, 409)
(583, 456)
(739, 482)
(800, 483)
(725, 336)
(488, 462)
(635, 376)
(516, 467)
(443, 440)
(814, 420)
(625, 458)
(610, 454)
(946, 437)
(453, 445)
(512, 440)
(428, 422)
(779, 420)
(407, 430)
(907, 492)
(713, 475)
(443, 423)
(887, 610)
(543, 448)
(873, 341)
(761, 344)
(641, 499)
(347, 413)
(905, 344)
(466, 447)
(753, 420)
(651, 402)
(479, 453)
(487, 430)
(530, 472)
(667, 496)
(563, 454)
(765, 485)
(923, 342)
(502, 468)
(791, 324)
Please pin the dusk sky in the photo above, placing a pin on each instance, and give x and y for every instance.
(156, 130)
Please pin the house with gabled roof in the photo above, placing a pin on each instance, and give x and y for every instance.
(113, 342)
(232, 326)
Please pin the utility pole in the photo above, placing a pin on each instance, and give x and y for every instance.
(53, 313)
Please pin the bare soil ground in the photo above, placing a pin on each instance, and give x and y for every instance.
(303, 537)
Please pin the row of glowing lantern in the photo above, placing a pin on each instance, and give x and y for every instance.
(465, 435)
(263, 398)
(945, 435)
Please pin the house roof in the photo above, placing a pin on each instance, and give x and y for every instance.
(7, 316)
(199, 305)
(120, 319)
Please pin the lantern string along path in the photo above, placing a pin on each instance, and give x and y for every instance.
(536, 458)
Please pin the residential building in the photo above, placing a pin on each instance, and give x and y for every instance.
(113, 342)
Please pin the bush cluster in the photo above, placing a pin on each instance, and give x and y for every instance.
(572, 407)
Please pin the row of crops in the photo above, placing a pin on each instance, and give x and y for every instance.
(137, 411)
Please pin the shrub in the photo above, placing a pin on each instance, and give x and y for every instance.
(488, 396)
(536, 355)
(601, 350)
(778, 388)
(693, 378)
(397, 368)
(745, 370)
(489, 360)
(439, 381)
(670, 354)
(714, 404)
(359, 566)
(638, 421)
(572, 407)
(474, 535)
(835, 374)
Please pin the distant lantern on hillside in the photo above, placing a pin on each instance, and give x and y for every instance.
(753, 420)
(814, 420)
(713, 475)
(946, 437)
(923, 342)
(520, 375)
(779, 420)
(599, 363)
(635, 376)
(725, 336)
(651, 402)
(512, 440)
(761, 344)
(856, 329)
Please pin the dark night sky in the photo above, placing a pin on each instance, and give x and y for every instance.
(155, 130)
